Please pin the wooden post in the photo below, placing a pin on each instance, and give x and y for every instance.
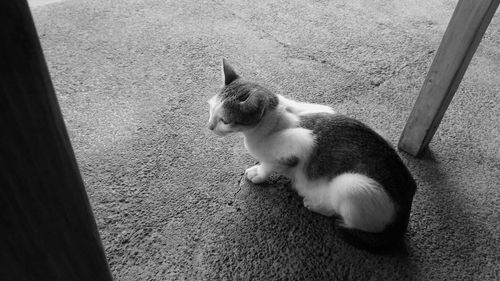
(47, 230)
(463, 34)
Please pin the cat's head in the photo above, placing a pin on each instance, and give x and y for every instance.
(240, 105)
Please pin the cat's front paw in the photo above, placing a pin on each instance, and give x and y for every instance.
(254, 175)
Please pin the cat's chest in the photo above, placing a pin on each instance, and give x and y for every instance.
(283, 146)
(258, 149)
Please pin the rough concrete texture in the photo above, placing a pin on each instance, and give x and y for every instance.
(133, 78)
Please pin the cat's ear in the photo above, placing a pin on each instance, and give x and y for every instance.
(229, 73)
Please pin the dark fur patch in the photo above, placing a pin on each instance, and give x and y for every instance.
(245, 102)
(290, 161)
(344, 144)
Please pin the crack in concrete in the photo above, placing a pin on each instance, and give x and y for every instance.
(279, 42)
(251, 24)
(399, 69)
(303, 54)
(239, 185)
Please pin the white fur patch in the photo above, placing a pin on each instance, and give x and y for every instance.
(296, 142)
(214, 121)
(301, 108)
(359, 200)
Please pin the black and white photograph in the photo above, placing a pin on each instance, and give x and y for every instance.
(311, 140)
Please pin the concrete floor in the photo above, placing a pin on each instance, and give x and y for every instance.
(133, 78)
(40, 3)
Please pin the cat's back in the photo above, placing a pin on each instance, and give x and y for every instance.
(345, 145)
(345, 136)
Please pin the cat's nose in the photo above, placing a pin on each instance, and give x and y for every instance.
(211, 125)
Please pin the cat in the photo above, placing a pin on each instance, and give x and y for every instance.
(339, 166)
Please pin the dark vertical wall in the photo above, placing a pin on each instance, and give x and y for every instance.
(47, 230)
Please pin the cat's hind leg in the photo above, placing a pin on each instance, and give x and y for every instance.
(313, 204)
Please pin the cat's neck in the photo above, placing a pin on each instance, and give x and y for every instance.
(273, 121)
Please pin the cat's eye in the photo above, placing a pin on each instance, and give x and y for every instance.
(224, 121)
